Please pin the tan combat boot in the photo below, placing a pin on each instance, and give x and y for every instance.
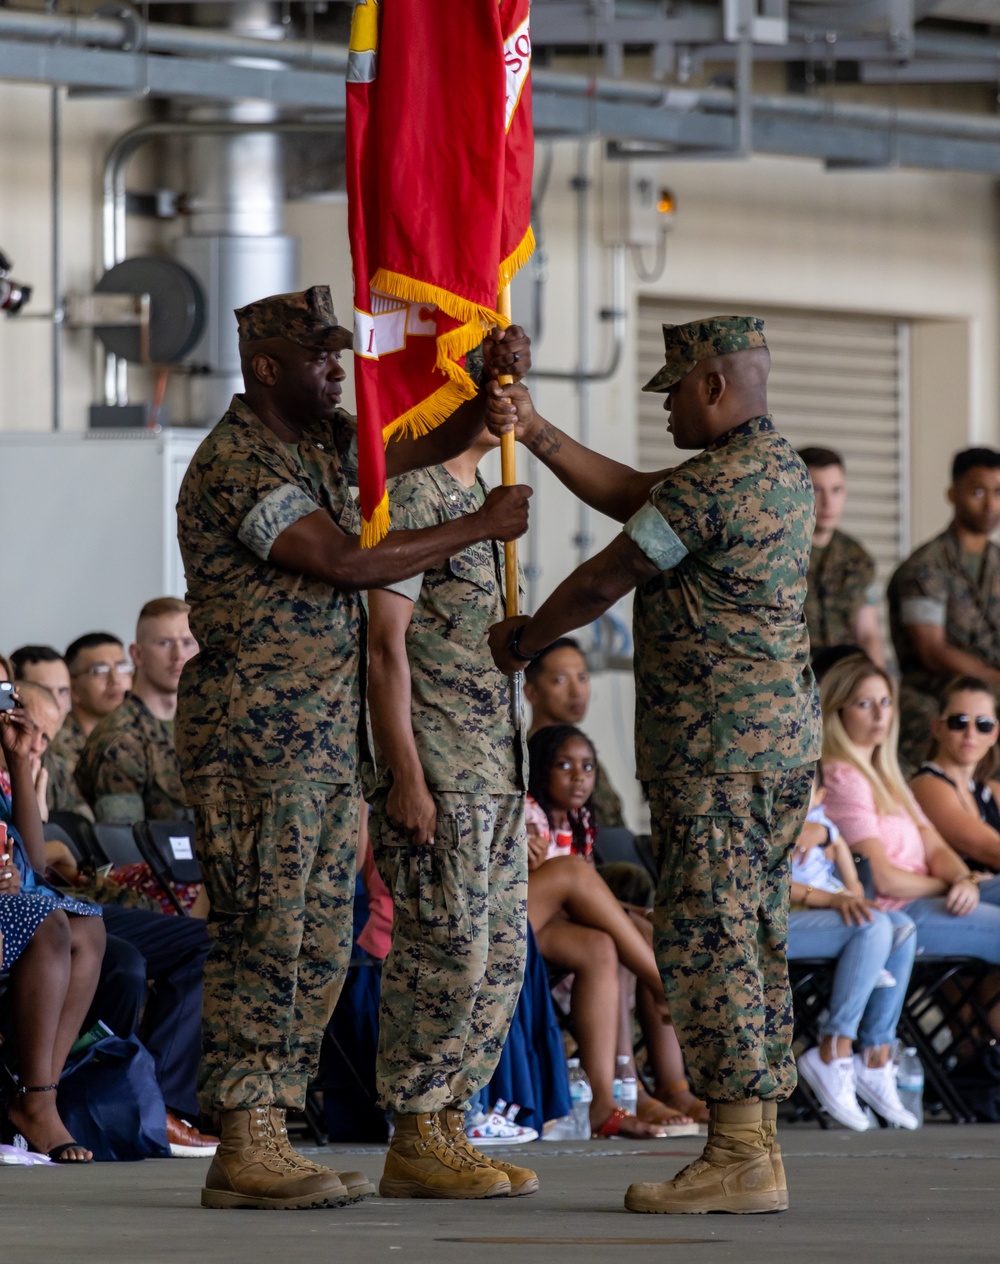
(422, 1163)
(452, 1123)
(251, 1169)
(358, 1186)
(733, 1174)
(769, 1119)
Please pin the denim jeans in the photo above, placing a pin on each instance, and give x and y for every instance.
(857, 1007)
(939, 934)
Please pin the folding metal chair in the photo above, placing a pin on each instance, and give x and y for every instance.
(116, 845)
(168, 848)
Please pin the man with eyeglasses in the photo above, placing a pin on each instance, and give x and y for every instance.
(100, 676)
(128, 770)
(944, 603)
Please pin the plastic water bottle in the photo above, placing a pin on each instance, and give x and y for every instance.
(910, 1083)
(626, 1087)
(581, 1095)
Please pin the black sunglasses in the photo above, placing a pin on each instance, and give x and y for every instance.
(959, 723)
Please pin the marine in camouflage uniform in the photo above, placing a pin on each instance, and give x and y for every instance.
(727, 730)
(268, 729)
(128, 770)
(841, 582)
(936, 587)
(61, 759)
(451, 981)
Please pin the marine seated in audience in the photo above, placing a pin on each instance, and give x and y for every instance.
(581, 927)
(841, 606)
(944, 603)
(43, 665)
(830, 918)
(956, 786)
(100, 676)
(128, 769)
(913, 868)
(557, 684)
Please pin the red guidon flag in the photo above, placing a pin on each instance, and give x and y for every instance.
(439, 163)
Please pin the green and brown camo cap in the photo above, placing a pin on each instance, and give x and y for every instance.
(687, 345)
(306, 318)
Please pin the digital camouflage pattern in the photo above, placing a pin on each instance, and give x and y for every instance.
(129, 771)
(720, 925)
(841, 582)
(267, 733)
(274, 693)
(306, 318)
(687, 345)
(934, 587)
(461, 704)
(723, 682)
(61, 760)
(459, 938)
(279, 864)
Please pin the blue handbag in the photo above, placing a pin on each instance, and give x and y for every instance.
(111, 1103)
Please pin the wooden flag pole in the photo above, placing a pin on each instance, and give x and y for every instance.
(508, 468)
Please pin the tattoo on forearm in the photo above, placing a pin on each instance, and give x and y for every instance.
(547, 442)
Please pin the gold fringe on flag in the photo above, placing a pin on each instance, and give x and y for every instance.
(374, 528)
(453, 305)
(516, 261)
(422, 418)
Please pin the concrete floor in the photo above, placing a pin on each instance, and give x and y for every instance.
(856, 1199)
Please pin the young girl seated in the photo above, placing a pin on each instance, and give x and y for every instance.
(874, 951)
(955, 787)
(53, 948)
(581, 927)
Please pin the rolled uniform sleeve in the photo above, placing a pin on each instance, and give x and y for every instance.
(279, 508)
(679, 518)
(923, 596)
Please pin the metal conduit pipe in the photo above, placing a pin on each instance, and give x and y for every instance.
(616, 314)
(118, 156)
(157, 37)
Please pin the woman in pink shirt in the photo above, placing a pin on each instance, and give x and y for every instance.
(912, 866)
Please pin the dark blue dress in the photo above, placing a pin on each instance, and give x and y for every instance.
(22, 914)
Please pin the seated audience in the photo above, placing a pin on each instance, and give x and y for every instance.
(580, 927)
(52, 947)
(841, 605)
(955, 787)
(46, 720)
(100, 676)
(912, 867)
(128, 769)
(557, 684)
(944, 603)
(43, 665)
(830, 918)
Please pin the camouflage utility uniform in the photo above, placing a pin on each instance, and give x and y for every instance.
(935, 586)
(451, 982)
(267, 735)
(841, 582)
(606, 801)
(727, 730)
(129, 770)
(61, 760)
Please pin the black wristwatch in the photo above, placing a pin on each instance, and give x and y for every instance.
(514, 645)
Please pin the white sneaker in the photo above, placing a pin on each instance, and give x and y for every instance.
(497, 1129)
(834, 1086)
(877, 1087)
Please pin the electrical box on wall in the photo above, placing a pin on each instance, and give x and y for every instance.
(633, 203)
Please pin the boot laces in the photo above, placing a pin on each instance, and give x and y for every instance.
(448, 1150)
(269, 1144)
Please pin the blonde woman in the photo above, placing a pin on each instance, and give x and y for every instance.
(913, 868)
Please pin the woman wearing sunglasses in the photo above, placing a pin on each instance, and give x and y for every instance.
(954, 786)
(913, 868)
